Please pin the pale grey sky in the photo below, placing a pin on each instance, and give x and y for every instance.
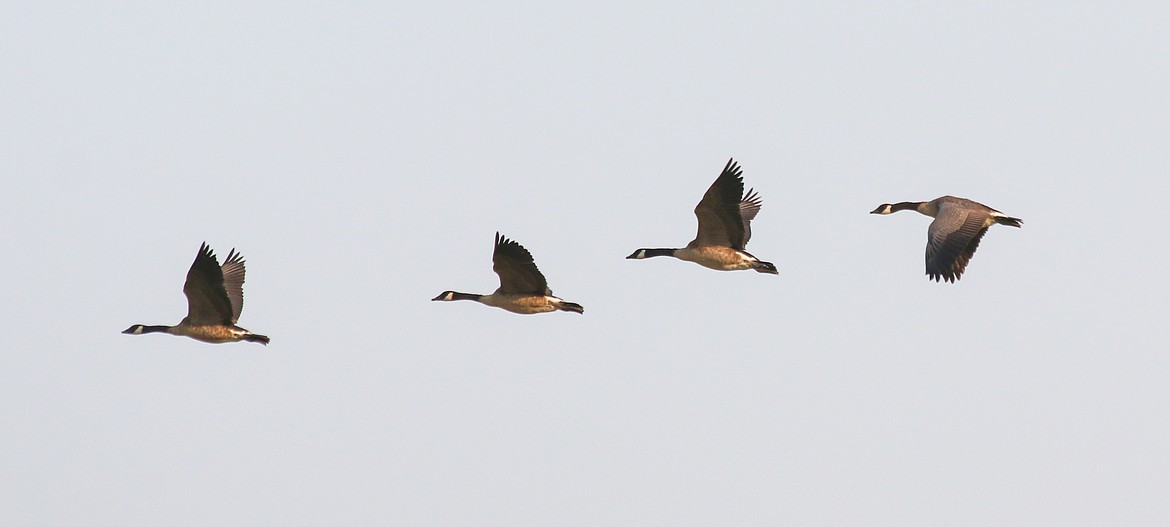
(361, 156)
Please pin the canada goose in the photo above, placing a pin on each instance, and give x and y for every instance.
(522, 288)
(215, 297)
(954, 234)
(725, 217)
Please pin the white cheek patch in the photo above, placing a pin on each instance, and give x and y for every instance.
(641, 254)
(449, 296)
(138, 330)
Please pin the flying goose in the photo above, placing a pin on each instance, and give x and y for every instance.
(522, 288)
(215, 297)
(725, 215)
(954, 234)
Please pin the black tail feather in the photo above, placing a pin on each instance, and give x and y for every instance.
(252, 337)
(572, 306)
(765, 267)
(1011, 222)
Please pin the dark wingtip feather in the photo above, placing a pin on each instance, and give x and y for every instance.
(948, 277)
(733, 168)
(752, 197)
(234, 257)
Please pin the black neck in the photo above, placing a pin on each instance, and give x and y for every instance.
(905, 205)
(650, 253)
(465, 296)
(155, 329)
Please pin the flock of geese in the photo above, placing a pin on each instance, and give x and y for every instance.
(215, 294)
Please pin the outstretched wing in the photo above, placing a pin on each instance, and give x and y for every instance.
(952, 239)
(720, 221)
(207, 301)
(233, 282)
(749, 206)
(517, 270)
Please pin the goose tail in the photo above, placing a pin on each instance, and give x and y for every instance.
(252, 337)
(764, 267)
(1009, 221)
(571, 306)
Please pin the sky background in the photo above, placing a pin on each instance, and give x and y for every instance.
(362, 155)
